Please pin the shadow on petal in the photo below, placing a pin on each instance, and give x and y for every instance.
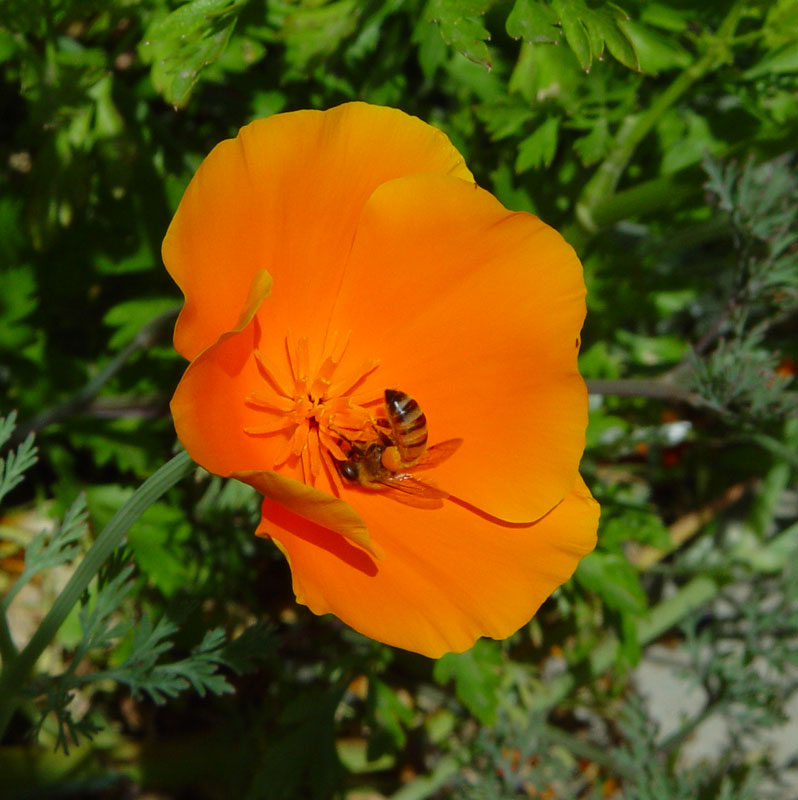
(316, 535)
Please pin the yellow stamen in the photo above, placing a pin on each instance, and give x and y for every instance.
(319, 420)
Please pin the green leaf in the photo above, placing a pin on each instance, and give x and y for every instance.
(130, 316)
(145, 673)
(656, 52)
(538, 149)
(652, 350)
(301, 760)
(432, 50)
(574, 30)
(7, 427)
(251, 648)
(781, 24)
(664, 17)
(592, 147)
(603, 428)
(313, 30)
(477, 677)
(640, 525)
(505, 119)
(8, 45)
(389, 716)
(158, 548)
(181, 44)
(460, 26)
(14, 465)
(605, 23)
(588, 29)
(614, 580)
(158, 541)
(533, 22)
(47, 551)
(778, 62)
(17, 301)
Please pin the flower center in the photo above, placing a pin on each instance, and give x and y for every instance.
(320, 414)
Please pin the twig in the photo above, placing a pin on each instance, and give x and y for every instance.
(640, 387)
(149, 334)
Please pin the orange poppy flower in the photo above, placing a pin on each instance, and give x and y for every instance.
(326, 257)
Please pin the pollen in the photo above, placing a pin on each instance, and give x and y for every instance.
(319, 411)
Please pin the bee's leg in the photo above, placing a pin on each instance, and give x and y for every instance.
(382, 427)
(391, 459)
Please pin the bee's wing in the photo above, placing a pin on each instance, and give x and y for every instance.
(438, 453)
(409, 484)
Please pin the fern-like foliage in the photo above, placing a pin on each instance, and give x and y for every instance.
(147, 669)
(738, 375)
(14, 465)
(47, 550)
(105, 622)
(145, 673)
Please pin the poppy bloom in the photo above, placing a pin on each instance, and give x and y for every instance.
(329, 256)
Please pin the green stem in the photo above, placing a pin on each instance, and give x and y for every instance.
(8, 650)
(16, 670)
(667, 191)
(635, 128)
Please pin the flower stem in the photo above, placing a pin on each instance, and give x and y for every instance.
(16, 669)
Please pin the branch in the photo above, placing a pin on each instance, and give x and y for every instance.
(657, 388)
(149, 334)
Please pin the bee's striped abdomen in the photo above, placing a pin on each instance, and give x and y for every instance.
(408, 425)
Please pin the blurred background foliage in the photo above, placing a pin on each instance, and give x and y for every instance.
(660, 139)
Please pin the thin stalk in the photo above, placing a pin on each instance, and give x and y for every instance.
(634, 129)
(16, 670)
(146, 337)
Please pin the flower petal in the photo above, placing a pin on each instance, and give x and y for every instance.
(318, 508)
(284, 196)
(475, 312)
(212, 416)
(448, 577)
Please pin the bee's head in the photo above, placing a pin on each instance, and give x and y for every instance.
(348, 470)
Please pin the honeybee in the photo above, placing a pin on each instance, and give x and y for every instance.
(402, 446)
